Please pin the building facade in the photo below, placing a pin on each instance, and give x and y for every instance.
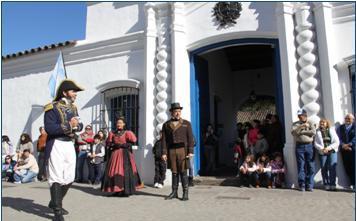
(137, 58)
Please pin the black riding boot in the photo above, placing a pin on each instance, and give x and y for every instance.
(174, 193)
(184, 179)
(65, 189)
(56, 200)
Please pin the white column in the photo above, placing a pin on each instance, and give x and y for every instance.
(163, 66)
(145, 164)
(306, 61)
(326, 48)
(285, 28)
(180, 60)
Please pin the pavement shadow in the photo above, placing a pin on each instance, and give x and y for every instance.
(27, 206)
(149, 194)
(89, 190)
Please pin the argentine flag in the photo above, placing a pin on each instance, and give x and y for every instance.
(57, 76)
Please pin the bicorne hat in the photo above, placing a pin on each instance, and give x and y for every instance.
(66, 85)
(175, 106)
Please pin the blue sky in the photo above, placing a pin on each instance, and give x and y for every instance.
(27, 25)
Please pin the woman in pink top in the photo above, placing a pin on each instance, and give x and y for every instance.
(252, 133)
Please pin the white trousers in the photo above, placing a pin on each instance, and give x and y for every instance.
(61, 163)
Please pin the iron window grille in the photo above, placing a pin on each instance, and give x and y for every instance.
(121, 102)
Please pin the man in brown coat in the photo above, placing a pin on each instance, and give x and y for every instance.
(178, 148)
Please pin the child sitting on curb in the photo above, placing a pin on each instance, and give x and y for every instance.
(264, 172)
(248, 171)
(278, 170)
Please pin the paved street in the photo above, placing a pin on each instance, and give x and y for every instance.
(28, 202)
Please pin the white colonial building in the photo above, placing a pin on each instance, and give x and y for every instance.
(137, 58)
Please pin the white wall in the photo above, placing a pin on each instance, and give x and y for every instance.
(344, 36)
(344, 46)
(257, 19)
(106, 20)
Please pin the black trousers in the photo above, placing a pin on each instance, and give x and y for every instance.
(348, 157)
(160, 170)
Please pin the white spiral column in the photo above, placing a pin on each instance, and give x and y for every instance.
(163, 67)
(306, 62)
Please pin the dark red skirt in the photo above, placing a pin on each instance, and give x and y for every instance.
(121, 173)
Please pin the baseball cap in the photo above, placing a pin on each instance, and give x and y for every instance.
(301, 112)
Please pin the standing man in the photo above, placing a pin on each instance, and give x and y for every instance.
(41, 144)
(347, 136)
(178, 148)
(304, 132)
(61, 121)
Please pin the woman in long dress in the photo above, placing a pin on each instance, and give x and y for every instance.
(121, 175)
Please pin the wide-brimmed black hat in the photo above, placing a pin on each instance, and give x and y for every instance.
(66, 85)
(175, 106)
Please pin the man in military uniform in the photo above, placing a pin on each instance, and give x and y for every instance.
(178, 148)
(61, 121)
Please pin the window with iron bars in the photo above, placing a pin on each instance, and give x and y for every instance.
(122, 102)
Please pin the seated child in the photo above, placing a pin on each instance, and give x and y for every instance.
(248, 171)
(278, 170)
(7, 170)
(263, 171)
(238, 154)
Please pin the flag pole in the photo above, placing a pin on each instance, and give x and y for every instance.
(64, 65)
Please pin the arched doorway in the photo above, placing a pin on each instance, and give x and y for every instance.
(207, 105)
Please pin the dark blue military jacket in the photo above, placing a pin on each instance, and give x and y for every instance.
(56, 123)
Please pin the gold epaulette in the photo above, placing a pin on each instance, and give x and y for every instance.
(48, 107)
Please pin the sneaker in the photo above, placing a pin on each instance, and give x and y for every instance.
(273, 186)
(156, 185)
(159, 186)
(17, 182)
(327, 187)
(302, 189)
(96, 187)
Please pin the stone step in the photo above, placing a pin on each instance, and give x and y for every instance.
(217, 181)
